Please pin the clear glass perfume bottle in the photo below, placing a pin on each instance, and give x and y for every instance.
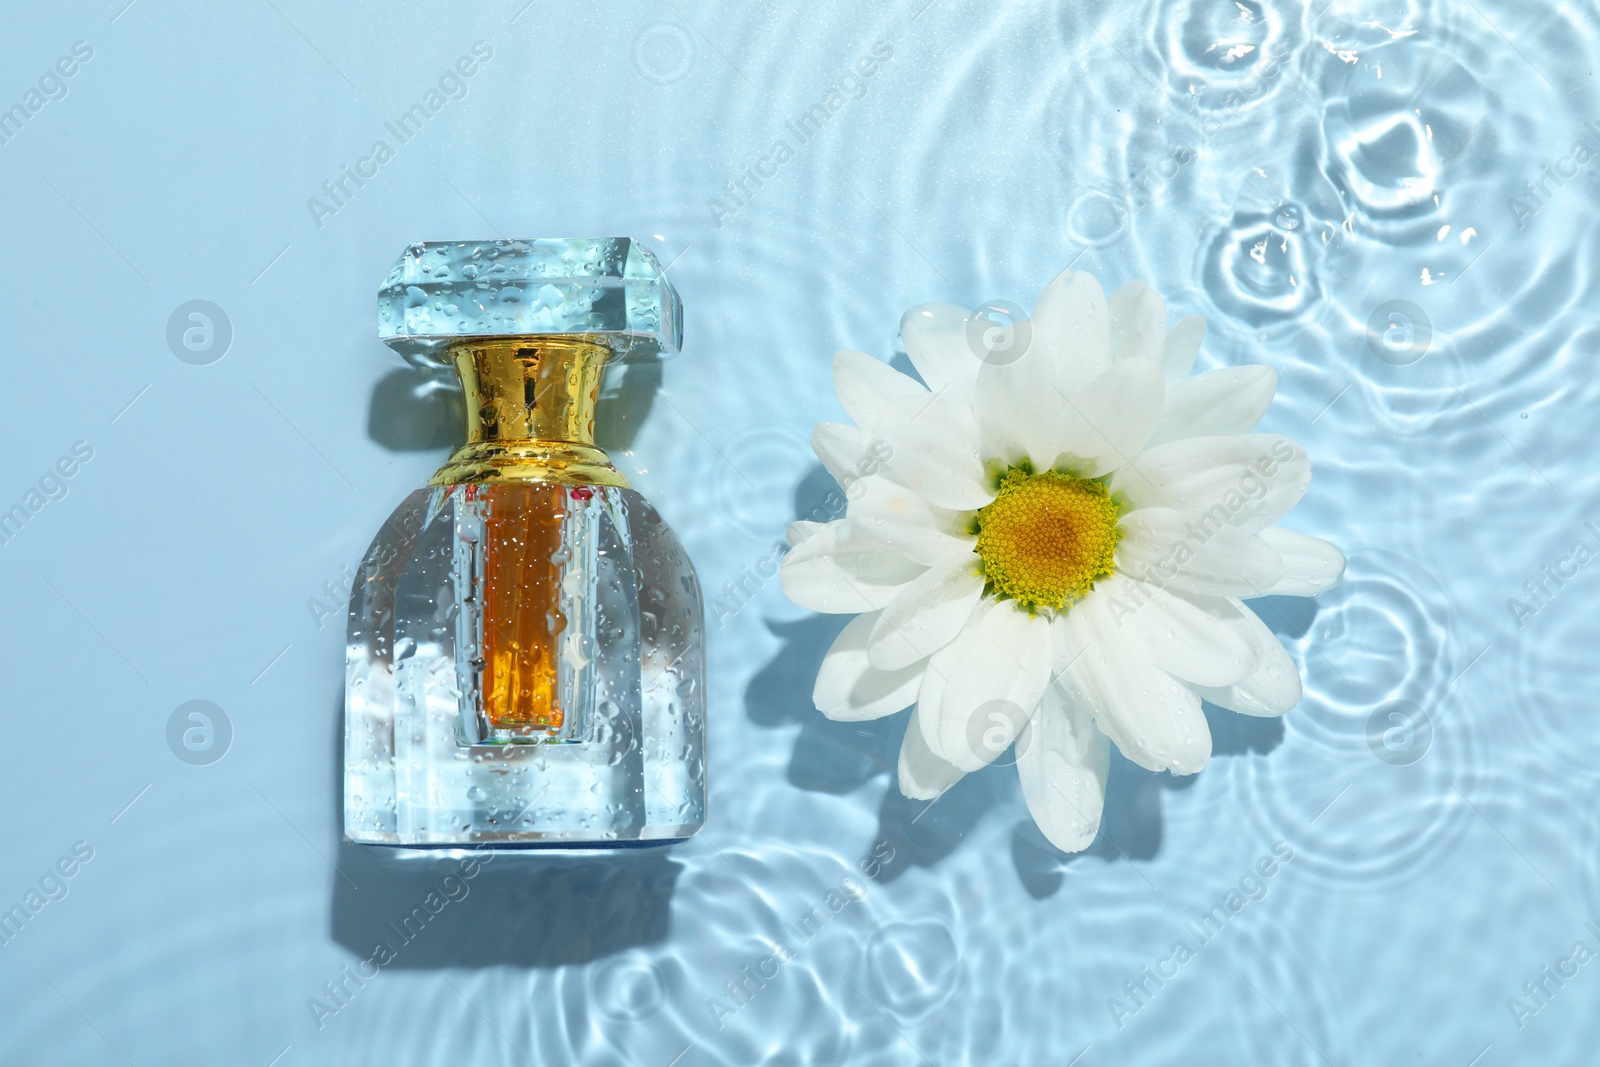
(525, 659)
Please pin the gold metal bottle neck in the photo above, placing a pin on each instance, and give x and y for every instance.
(530, 412)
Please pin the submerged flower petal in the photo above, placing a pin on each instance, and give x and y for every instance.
(899, 517)
(1140, 332)
(923, 775)
(1021, 406)
(1191, 553)
(1112, 417)
(1151, 717)
(935, 339)
(834, 569)
(984, 685)
(1063, 761)
(1247, 480)
(850, 689)
(1311, 565)
(840, 448)
(1186, 638)
(1119, 309)
(1272, 689)
(932, 445)
(1226, 401)
(1183, 345)
(865, 385)
(926, 614)
(1071, 321)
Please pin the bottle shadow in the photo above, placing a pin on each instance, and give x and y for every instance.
(840, 757)
(476, 909)
(412, 410)
(425, 909)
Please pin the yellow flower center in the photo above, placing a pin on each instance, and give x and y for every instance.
(1047, 538)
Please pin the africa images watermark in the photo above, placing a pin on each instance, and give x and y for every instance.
(1109, 211)
(335, 598)
(340, 990)
(391, 546)
(1536, 194)
(52, 887)
(50, 87)
(1253, 485)
(53, 484)
(752, 978)
(1552, 978)
(738, 593)
(1552, 578)
(851, 85)
(1251, 888)
(451, 86)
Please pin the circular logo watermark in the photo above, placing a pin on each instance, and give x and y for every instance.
(1399, 332)
(199, 733)
(999, 332)
(991, 728)
(1399, 733)
(199, 332)
(663, 52)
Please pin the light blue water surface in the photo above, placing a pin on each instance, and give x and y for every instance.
(1288, 172)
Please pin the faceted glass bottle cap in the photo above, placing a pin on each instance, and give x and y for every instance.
(610, 290)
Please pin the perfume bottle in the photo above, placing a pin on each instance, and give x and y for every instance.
(525, 663)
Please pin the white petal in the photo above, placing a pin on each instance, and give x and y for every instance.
(932, 445)
(1194, 554)
(935, 338)
(840, 447)
(1183, 345)
(1249, 480)
(991, 678)
(837, 570)
(1144, 333)
(1109, 420)
(1064, 761)
(801, 529)
(1120, 309)
(1227, 401)
(1072, 320)
(865, 385)
(1187, 639)
(926, 614)
(898, 517)
(923, 776)
(1068, 643)
(1311, 565)
(1155, 720)
(1273, 689)
(1022, 409)
(850, 689)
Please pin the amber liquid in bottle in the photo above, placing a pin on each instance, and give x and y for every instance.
(529, 464)
(522, 617)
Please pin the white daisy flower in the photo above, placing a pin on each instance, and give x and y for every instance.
(1051, 549)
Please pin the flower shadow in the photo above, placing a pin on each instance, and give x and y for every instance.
(840, 757)
(1130, 829)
